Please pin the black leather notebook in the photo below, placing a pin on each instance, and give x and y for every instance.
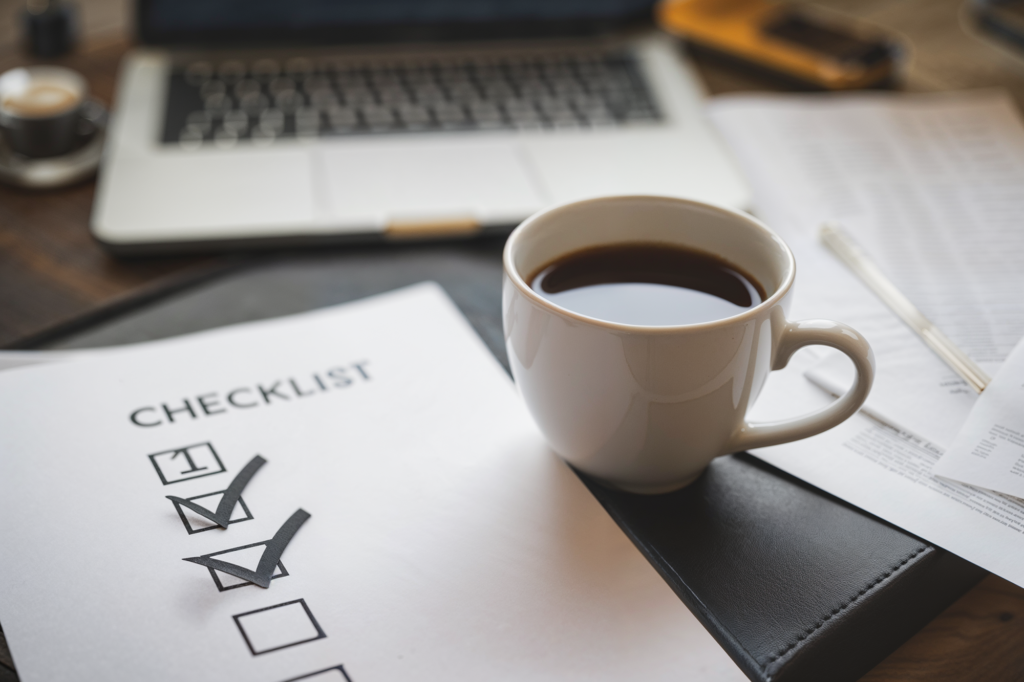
(793, 583)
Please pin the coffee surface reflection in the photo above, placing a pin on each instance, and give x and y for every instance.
(647, 284)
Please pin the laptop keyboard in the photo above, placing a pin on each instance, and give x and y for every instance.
(234, 102)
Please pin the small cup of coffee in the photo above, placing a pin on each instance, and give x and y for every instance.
(640, 329)
(39, 109)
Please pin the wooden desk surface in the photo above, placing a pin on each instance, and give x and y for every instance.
(52, 273)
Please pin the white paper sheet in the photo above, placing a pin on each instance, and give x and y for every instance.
(929, 185)
(445, 543)
(888, 473)
(934, 410)
(809, 159)
(989, 450)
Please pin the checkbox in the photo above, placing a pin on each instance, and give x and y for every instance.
(194, 523)
(247, 556)
(335, 674)
(186, 463)
(278, 627)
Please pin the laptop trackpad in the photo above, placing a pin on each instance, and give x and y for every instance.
(380, 183)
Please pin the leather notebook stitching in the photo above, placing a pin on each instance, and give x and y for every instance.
(836, 611)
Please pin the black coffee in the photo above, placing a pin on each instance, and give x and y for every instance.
(647, 284)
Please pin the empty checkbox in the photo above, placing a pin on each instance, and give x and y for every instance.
(278, 627)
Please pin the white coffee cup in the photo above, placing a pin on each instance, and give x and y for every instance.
(646, 408)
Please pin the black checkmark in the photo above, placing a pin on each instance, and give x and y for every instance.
(271, 555)
(231, 495)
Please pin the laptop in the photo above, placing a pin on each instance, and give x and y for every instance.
(258, 123)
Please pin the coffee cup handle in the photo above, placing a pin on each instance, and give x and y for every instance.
(795, 336)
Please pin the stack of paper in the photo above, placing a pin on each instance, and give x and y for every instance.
(929, 185)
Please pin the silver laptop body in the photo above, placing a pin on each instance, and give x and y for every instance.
(212, 148)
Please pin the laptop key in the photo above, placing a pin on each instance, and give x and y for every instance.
(235, 121)
(246, 86)
(349, 79)
(307, 123)
(463, 93)
(377, 116)
(342, 119)
(288, 101)
(198, 73)
(392, 95)
(298, 67)
(265, 69)
(217, 103)
(385, 80)
(358, 95)
(485, 113)
(199, 121)
(449, 115)
(253, 103)
(272, 121)
(316, 83)
(522, 114)
(280, 84)
(414, 116)
(212, 87)
(231, 71)
(497, 91)
(428, 93)
(225, 139)
(323, 99)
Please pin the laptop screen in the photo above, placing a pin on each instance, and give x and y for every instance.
(220, 22)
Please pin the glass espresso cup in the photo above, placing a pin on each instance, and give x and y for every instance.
(646, 408)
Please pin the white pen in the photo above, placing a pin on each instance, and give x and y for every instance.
(854, 257)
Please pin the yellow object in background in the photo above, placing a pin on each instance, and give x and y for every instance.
(830, 53)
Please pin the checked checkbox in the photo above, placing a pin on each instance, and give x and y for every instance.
(247, 556)
(229, 498)
(194, 523)
(270, 555)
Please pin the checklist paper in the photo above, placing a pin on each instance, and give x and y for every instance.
(410, 521)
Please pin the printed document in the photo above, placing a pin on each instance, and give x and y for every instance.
(383, 480)
(989, 450)
(888, 472)
(874, 162)
(934, 409)
(929, 186)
